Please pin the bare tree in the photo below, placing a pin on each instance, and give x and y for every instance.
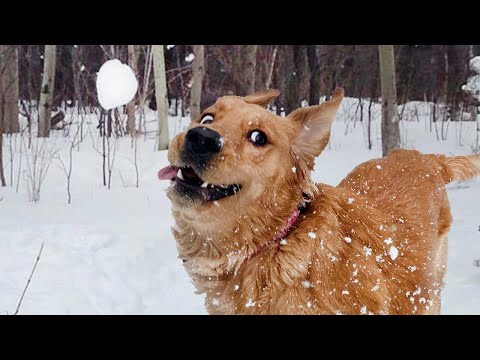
(198, 72)
(68, 168)
(161, 96)
(2, 175)
(9, 88)
(132, 61)
(244, 68)
(390, 123)
(271, 67)
(46, 93)
(38, 159)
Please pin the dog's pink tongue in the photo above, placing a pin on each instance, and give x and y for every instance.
(168, 173)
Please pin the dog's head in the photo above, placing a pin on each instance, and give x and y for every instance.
(237, 151)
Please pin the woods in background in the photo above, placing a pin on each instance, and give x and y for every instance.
(301, 72)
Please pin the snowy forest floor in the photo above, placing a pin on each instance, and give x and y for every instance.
(111, 251)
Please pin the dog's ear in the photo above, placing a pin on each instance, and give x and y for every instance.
(314, 124)
(262, 98)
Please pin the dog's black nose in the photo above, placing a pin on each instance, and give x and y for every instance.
(203, 142)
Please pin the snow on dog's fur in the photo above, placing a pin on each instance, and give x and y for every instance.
(376, 243)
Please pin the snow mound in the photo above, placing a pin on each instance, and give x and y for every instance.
(116, 84)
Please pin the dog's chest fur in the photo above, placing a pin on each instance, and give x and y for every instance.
(345, 255)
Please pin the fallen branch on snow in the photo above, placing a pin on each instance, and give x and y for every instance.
(29, 280)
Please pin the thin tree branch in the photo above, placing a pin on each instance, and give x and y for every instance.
(29, 280)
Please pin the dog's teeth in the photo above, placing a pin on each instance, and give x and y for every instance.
(180, 174)
(212, 186)
(205, 184)
(223, 186)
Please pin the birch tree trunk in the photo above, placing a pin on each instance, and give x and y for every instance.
(46, 92)
(161, 96)
(390, 124)
(198, 73)
(132, 62)
(9, 88)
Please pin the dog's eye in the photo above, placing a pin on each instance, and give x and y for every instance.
(207, 119)
(257, 137)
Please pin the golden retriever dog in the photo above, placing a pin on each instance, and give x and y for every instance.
(257, 236)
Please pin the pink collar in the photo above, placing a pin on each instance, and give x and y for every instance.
(280, 235)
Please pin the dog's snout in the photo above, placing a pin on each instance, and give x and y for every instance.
(203, 142)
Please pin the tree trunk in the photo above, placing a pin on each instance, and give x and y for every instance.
(161, 96)
(46, 92)
(9, 88)
(390, 125)
(2, 175)
(198, 73)
(244, 69)
(314, 96)
(132, 61)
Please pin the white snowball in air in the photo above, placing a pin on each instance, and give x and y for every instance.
(116, 84)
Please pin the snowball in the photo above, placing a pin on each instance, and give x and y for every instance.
(116, 84)
(475, 64)
(190, 58)
(393, 252)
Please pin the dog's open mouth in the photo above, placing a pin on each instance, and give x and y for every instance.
(190, 184)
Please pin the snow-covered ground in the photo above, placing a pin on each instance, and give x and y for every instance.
(111, 251)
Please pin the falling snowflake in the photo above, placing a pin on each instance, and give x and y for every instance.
(350, 200)
(236, 287)
(379, 167)
(367, 250)
(215, 302)
(375, 288)
(250, 303)
(412, 268)
(294, 169)
(388, 241)
(345, 292)
(190, 57)
(363, 310)
(283, 242)
(393, 252)
(347, 239)
(312, 235)
(307, 284)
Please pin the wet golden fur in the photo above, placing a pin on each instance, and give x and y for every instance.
(398, 201)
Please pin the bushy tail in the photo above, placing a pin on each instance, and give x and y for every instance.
(461, 167)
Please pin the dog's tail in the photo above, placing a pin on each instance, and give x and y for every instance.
(460, 168)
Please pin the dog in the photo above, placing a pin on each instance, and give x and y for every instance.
(257, 236)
